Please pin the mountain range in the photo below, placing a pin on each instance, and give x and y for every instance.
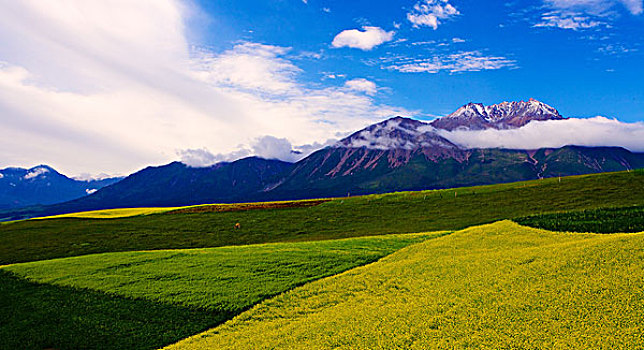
(393, 155)
(43, 185)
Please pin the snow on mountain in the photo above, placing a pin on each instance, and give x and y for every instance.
(396, 133)
(35, 172)
(505, 115)
(89, 177)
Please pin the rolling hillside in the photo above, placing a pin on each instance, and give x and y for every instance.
(145, 300)
(404, 212)
(487, 287)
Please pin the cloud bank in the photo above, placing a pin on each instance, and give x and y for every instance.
(597, 131)
(91, 86)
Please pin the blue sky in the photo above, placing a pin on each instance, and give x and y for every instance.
(581, 71)
(112, 86)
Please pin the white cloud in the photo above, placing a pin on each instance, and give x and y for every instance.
(458, 40)
(598, 131)
(584, 14)
(596, 6)
(365, 39)
(430, 13)
(567, 20)
(362, 85)
(268, 147)
(470, 61)
(91, 86)
(634, 6)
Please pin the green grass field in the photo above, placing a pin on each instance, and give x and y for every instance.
(319, 274)
(602, 220)
(404, 212)
(145, 300)
(497, 286)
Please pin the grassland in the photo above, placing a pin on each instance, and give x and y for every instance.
(603, 220)
(496, 286)
(403, 212)
(145, 300)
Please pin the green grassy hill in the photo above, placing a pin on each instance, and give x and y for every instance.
(145, 300)
(497, 286)
(299, 285)
(403, 212)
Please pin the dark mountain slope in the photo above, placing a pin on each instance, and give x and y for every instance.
(42, 185)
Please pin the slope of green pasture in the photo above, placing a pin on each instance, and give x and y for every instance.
(496, 286)
(602, 220)
(181, 292)
(403, 212)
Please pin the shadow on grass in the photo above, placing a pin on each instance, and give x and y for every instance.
(41, 316)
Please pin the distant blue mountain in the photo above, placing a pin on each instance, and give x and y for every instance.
(42, 185)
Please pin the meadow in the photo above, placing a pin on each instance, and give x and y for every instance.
(496, 286)
(148, 299)
(338, 273)
(403, 212)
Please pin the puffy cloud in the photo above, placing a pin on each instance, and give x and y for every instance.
(363, 85)
(430, 12)
(365, 39)
(91, 86)
(470, 61)
(597, 131)
(268, 147)
(201, 157)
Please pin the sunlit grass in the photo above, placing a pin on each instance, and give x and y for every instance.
(497, 286)
(110, 213)
(96, 294)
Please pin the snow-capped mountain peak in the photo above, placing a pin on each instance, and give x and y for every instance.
(396, 133)
(504, 115)
(36, 172)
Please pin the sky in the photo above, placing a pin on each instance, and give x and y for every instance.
(113, 86)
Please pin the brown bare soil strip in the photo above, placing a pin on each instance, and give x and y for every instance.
(217, 208)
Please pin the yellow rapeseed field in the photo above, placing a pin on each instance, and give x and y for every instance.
(496, 286)
(111, 213)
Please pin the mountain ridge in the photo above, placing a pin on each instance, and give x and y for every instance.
(393, 155)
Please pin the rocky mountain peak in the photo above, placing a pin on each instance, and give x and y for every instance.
(504, 115)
